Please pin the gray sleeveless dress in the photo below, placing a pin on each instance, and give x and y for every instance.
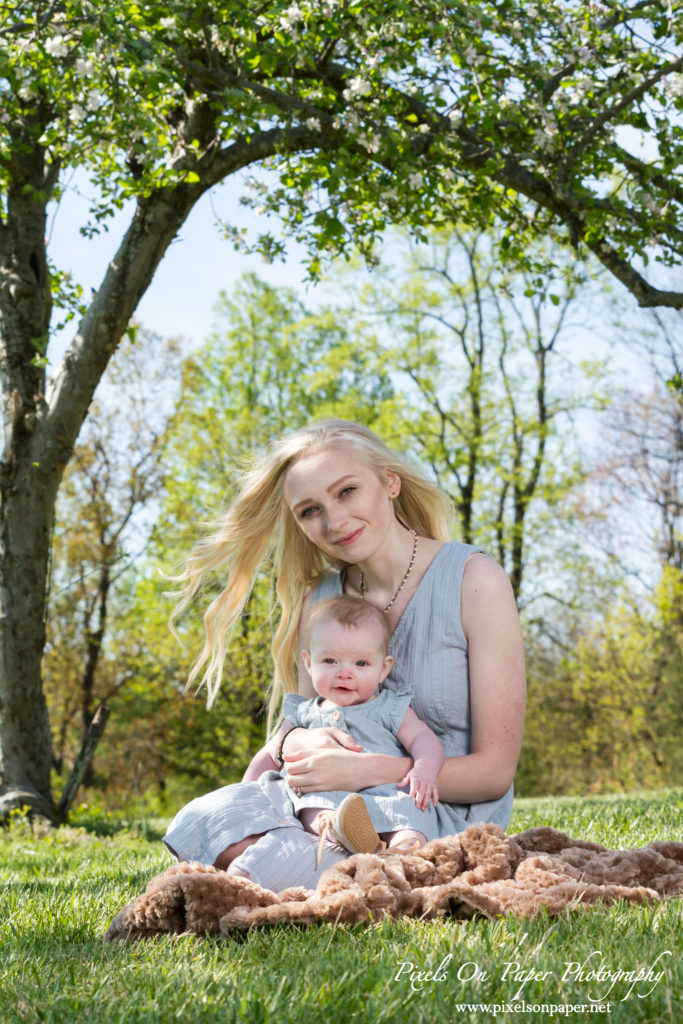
(431, 661)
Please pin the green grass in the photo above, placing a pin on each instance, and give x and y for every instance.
(60, 891)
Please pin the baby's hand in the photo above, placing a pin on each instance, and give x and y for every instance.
(423, 787)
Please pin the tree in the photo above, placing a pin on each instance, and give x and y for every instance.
(365, 112)
(482, 351)
(605, 697)
(269, 366)
(100, 531)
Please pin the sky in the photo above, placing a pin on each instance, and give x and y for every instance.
(197, 266)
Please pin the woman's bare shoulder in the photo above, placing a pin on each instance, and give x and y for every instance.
(487, 595)
(483, 571)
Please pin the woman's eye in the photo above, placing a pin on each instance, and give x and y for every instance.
(346, 490)
(308, 512)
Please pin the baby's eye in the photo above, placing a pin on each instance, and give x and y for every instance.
(362, 663)
(328, 661)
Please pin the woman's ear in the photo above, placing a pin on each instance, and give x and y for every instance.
(393, 483)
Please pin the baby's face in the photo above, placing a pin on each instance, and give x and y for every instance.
(346, 663)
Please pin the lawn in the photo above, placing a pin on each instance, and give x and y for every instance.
(61, 889)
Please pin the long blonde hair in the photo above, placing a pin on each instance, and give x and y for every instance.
(259, 526)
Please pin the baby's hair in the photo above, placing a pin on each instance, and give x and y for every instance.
(352, 612)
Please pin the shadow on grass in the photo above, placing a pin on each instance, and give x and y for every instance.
(106, 826)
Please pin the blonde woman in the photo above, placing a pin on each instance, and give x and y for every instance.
(339, 512)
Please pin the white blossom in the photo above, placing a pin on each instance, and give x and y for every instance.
(356, 87)
(77, 113)
(56, 46)
(291, 16)
(84, 67)
(674, 85)
(95, 100)
(416, 179)
(372, 145)
(424, 128)
(542, 139)
(313, 123)
(168, 23)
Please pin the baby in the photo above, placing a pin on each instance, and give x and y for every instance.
(347, 660)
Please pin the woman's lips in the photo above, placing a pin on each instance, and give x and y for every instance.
(344, 541)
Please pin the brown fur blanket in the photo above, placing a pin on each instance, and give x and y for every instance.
(479, 871)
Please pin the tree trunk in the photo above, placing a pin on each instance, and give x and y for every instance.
(41, 428)
(27, 488)
(25, 739)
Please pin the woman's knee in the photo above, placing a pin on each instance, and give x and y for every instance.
(232, 852)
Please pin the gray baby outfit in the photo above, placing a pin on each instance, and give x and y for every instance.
(373, 725)
(431, 661)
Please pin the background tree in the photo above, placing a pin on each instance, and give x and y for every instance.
(483, 353)
(608, 694)
(269, 366)
(112, 480)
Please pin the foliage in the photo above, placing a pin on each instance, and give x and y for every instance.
(60, 891)
(481, 351)
(643, 472)
(558, 118)
(269, 366)
(112, 480)
(605, 715)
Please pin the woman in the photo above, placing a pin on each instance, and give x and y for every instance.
(341, 513)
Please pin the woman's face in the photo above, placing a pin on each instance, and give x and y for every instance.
(340, 502)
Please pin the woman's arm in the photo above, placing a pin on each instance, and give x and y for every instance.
(497, 687)
(326, 768)
(497, 704)
(266, 758)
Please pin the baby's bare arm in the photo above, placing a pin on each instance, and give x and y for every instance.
(425, 748)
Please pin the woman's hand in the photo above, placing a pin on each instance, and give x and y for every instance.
(302, 740)
(340, 767)
(313, 765)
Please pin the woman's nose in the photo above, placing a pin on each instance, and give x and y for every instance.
(337, 517)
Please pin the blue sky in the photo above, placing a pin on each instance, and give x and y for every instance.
(197, 266)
